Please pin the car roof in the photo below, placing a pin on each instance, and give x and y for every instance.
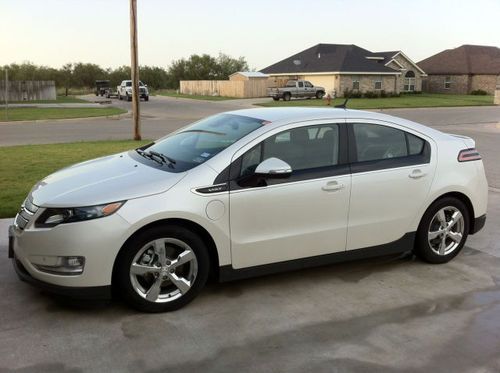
(283, 115)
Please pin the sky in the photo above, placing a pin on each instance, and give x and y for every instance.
(54, 32)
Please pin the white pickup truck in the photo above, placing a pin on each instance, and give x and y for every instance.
(296, 88)
(125, 90)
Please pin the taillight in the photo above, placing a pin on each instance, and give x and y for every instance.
(467, 155)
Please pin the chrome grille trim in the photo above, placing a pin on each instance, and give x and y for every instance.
(30, 206)
(25, 214)
(20, 221)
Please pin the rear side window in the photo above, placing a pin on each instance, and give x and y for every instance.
(415, 144)
(376, 142)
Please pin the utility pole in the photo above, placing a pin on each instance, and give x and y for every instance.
(6, 93)
(134, 68)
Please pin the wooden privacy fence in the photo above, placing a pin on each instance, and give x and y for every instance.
(28, 90)
(227, 88)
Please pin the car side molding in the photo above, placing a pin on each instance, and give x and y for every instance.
(228, 273)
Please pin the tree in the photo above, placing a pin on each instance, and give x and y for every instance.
(66, 76)
(85, 74)
(204, 67)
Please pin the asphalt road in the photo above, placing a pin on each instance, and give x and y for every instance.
(162, 115)
(392, 314)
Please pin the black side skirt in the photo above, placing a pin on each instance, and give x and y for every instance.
(405, 243)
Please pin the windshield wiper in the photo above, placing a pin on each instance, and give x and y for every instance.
(157, 157)
(163, 157)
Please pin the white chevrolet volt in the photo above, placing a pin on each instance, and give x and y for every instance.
(247, 193)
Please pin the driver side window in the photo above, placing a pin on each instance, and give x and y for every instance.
(303, 148)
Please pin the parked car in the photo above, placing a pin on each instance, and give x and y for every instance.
(101, 86)
(246, 193)
(125, 90)
(296, 88)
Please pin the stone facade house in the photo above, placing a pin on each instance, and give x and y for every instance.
(463, 70)
(348, 68)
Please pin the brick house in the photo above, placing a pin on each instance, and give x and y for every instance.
(463, 69)
(342, 67)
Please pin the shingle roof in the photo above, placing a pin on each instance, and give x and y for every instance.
(330, 58)
(251, 74)
(387, 55)
(467, 59)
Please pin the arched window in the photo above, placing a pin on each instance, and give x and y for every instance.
(409, 82)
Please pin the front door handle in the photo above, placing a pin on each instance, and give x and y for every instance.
(332, 186)
(417, 174)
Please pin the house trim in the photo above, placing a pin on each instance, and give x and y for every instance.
(410, 61)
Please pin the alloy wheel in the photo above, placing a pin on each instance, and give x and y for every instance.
(446, 230)
(163, 270)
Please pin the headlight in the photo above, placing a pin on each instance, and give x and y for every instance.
(55, 216)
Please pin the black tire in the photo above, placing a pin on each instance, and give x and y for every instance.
(146, 98)
(422, 246)
(287, 96)
(276, 98)
(121, 277)
(119, 97)
(319, 95)
(129, 98)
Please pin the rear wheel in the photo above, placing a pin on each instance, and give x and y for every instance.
(443, 230)
(287, 96)
(162, 269)
(276, 98)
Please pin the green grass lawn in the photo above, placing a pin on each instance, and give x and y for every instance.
(22, 166)
(34, 113)
(405, 101)
(58, 100)
(173, 93)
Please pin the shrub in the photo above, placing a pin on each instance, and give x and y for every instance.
(352, 94)
(479, 92)
(383, 94)
(371, 94)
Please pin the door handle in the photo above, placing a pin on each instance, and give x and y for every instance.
(417, 174)
(332, 186)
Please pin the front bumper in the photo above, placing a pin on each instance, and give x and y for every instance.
(93, 292)
(98, 241)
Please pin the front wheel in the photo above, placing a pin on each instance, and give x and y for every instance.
(443, 231)
(162, 269)
(276, 98)
(319, 95)
(146, 98)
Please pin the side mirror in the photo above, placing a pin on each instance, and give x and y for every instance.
(274, 167)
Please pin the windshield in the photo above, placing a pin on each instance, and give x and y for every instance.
(202, 140)
(129, 84)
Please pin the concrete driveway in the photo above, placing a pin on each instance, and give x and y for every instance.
(392, 314)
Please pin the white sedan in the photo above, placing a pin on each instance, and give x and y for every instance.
(247, 193)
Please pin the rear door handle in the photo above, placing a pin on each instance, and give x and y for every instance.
(332, 186)
(417, 174)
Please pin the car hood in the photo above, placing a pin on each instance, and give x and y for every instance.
(113, 178)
